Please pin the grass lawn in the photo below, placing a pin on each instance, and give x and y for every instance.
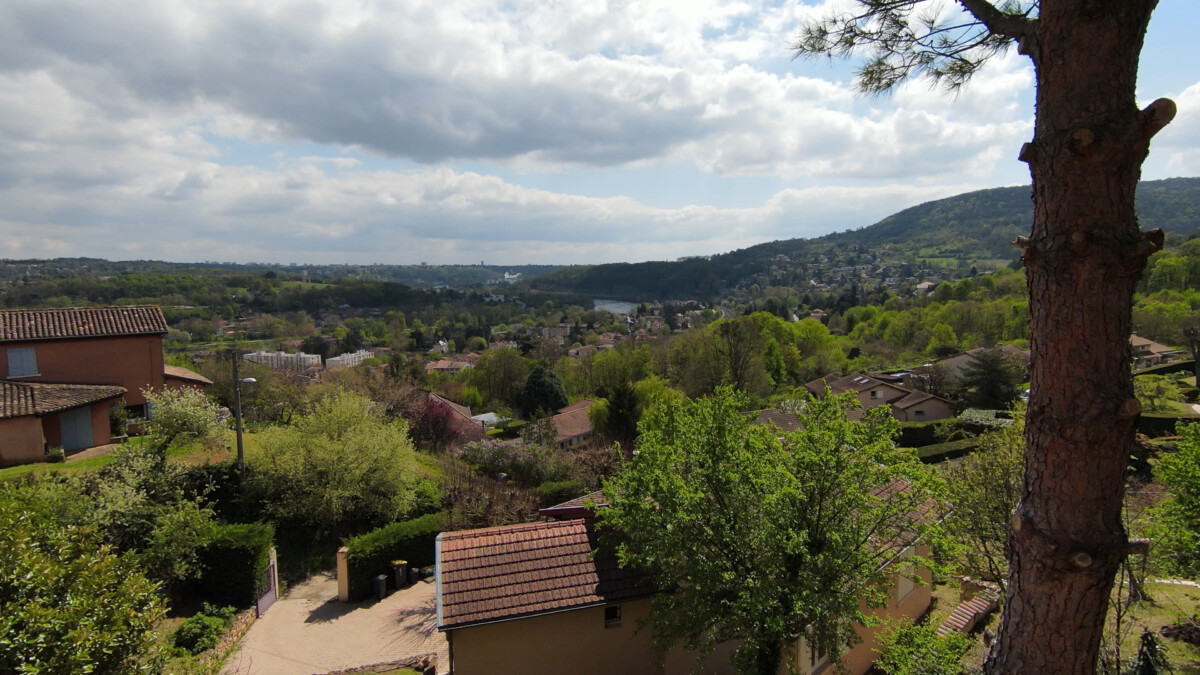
(188, 454)
(1168, 604)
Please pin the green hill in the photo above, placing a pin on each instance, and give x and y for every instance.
(967, 230)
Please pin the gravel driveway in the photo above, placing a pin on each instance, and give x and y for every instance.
(308, 632)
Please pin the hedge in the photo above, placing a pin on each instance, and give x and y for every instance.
(371, 554)
(1157, 424)
(918, 434)
(233, 562)
(557, 492)
(933, 454)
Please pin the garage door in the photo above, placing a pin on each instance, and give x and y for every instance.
(76, 429)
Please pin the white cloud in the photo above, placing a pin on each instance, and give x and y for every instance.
(287, 131)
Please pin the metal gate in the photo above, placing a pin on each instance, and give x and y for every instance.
(268, 586)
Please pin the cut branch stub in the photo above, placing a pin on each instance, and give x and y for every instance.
(1028, 153)
(1082, 139)
(1157, 115)
(1151, 242)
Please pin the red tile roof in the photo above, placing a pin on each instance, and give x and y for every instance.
(460, 410)
(80, 322)
(789, 422)
(573, 422)
(21, 399)
(576, 508)
(578, 405)
(913, 399)
(786, 421)
(510, 572)
(179, 373)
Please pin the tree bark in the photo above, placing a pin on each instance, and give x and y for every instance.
(1083, 259)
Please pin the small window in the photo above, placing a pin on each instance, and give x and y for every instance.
(139, 412)
(920, 413)
(876, 394)
(904, 586)
(612, 616)
(817, 657)
(22, 362)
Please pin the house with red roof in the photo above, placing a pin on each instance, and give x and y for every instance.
(906, 405)
(63, 369)
(547, 598)
(571, 424)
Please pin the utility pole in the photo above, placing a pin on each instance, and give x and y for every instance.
(237, 415)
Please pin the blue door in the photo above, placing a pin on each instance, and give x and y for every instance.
(75, 429)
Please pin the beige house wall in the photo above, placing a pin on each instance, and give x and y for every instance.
(933, 409)
(134, 362)
(573, 642)
(21, 441)
(860, 657)
(577, 642)
(883, 393)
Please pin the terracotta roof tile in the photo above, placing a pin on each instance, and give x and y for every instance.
(180, 373)
(576, 508)
(509, 572)
(20, 399)
(572, 423)
(578, 405)
(79, 322)
(786, 421)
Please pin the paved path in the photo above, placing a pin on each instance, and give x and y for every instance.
(309, 632)
(98, 451)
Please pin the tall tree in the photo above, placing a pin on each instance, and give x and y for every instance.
(763, 538)
(990, 380)
(1082, 260)
(543, 393)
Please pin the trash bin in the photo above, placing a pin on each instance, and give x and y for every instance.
(414, 575)
(400, 573)
(381, 586)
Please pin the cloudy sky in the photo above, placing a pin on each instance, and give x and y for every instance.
(503, 131)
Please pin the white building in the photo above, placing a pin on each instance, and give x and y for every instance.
(298, 362)
(348, 360)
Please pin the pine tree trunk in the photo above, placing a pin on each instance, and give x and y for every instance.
(1083, 259)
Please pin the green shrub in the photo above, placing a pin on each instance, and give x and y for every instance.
(557, 492)
(56, 455)
(370, 555)
(118, 420)
(202, 631)
(233, 561)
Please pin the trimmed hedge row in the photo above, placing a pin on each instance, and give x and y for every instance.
(371, 554)
(933, 454)
(1157, 424)
(234, 560)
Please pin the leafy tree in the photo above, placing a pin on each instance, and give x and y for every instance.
(1157, 393)
(739, 345)
(315, 344)
(499, 374)
(617, 415)
(183, 415)
(69, 604)
(543, 393)
(1082, 260)
(990, 380)
(762, 539)
(142, 506)
(1176, 521)
(340, 467)
(983, 488)
(907, 648)
(434, 426)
